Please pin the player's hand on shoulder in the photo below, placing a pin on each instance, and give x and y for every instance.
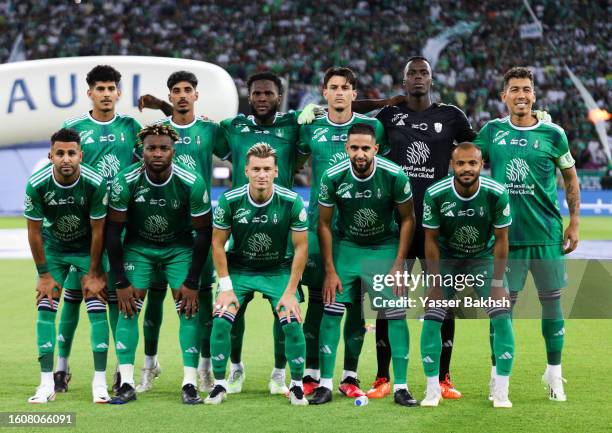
(48, 288)
(189, 301)
(288, 306)
(149, 101)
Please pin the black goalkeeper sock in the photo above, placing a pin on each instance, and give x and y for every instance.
(448, 336)
(383, 348)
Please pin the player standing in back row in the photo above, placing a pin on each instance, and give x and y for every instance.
(524, 154)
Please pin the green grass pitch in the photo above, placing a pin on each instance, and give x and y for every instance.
(586, 365)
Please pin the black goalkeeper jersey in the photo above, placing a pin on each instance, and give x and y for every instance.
(421, 143)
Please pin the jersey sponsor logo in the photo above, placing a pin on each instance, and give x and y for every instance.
(447, 205)
(259, 242)
(426, 212)
(449, 214)
(187, 140)
(344, 187)
(420, 126)
(108, 166)
(517, 170)
(140, 199)
(188, 161)
(339, 137)
(245, 129)
(322, 139)
(157, 202)
(363, 194)
(86, 136)
(129, 266)
(243, 220)
(417, 152)
(346, 195)
(470, 212)
(141, 190)
(365, 218)
(316, 135)
(398, 119)
(68, 223)
(506, 211)
(438, 127)
(218, 215)
(466, 235)
(27, 204)
(242, 212)
(156, 224)
(519, 142)
(502, 142)
(303, 215)
(110, 138)
(499, 136)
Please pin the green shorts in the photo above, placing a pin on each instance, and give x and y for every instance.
(546, 263)
(61, 264)
(314, 275)
(73, 280)
(271, 285)
(359, 265)
(141, 263)
(207, 277)
(459, 276)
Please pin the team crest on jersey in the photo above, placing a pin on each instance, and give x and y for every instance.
(323, 192)
(188, 161)
(259, 242)
(365, 218)
(481, 211)
(275, 218)
(68, 223)
(438, 127)
(116, 189)
(417, 152)
(517, 170)
(175, 204)
(156, 224)
(27, 204)
(467, 235)
(303, 215)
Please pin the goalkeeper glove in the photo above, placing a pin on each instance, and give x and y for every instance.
(309, 113)
(542, 116)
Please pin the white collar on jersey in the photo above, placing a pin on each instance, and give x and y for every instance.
(254, 203)
(339, 124)
(99, 122)
(460, 197)
(160, 184)
(523, 128)
(364, 179)
(64, 186)
(176, 125)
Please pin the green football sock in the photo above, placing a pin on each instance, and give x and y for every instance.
(431, 347)
(237, 334)
(399, 339)
(312, 325)
(153, 316)
(45, 334)
(329, 337)
(553, 325)
(127, 338)
(295, 348)
(205, 316)
(354, 330)
(491, 334)
(503, 343)
(280, 360)
(189, 338)
(113, 318)
(68, 322)
(99, 339)
(220, 344)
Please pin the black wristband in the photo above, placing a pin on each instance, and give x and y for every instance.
(122, 284)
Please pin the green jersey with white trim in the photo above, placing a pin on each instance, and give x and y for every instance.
(525, 161)
(159, 215)
(467, 224)
(107, 146)
(66, 210)
(241, 132)
(365, 206)
(324, 140)
(260, 231)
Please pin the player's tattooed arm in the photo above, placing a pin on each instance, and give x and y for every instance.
(572, 196)
(150, 101)
(367, 105)
(94, 282)
(324, 231)
(46, 287)
(288, 304)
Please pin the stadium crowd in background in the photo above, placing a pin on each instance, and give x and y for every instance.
(299, 40)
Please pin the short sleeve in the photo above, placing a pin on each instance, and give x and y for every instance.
(303, 145)
(222, 216)
(381, 139)
(327, 192)
(482, 141)
(402, 191)
(563, 157)
(503, 217)
(199, 198)
(299, 218)
(222, 146)
(431, 213)
(32, 204)
(99, 202)
(119, 194)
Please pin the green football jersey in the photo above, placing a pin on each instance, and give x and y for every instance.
(525, 161)
(260, 232)
(199, 140)
(466, 225)
(107, 146)
(365, 206)
(324, 140)
(159, 215)
(241, 132)
(66, 210)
